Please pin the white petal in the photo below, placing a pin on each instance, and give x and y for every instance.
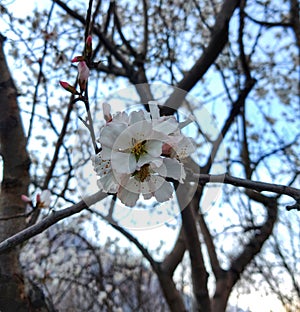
(156, 162)
(106, 152)
(185, 147)
(133, 185)
(154, 147)
(145, 190)
(108, 183)
(167, 126)
(140, 131)
(172, 168)
(143, 160)
(123, 162)
(154, 110)
(137, 116)
(110, 133)
(155, 182)
(128, 198)
(148, 159)
(46, 198)
(164, 193)
(147, 195)
(121, 117)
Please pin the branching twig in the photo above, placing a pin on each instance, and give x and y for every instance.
(53, 218)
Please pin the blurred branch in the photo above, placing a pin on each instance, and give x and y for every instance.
(219, 38)
(269, 24)
(40, 76)
(286, 265)
(256, 242)
(254, 185)
(45, 223)
(146, 30)
(120, 31)
(130, 237)
(199, 273)
(173, 259)
(243, 58)
(211, 248)
(295, 20)
(108, 43)
(235, 110)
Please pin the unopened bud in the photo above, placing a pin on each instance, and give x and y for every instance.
(83, 75)
(79, 58)
(26, 199)
(106, 112)
(88, 47)
(38, 198)
(68, 87)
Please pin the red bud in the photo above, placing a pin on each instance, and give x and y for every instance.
(77, 59)
(68, 87)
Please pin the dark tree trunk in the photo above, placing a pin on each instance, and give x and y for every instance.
(15, 182)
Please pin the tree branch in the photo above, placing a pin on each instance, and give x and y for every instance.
(219, 38)
(45, 223)
(173, 259)
(249, 184)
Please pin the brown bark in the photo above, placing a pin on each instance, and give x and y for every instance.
(199, 273)
(15, 182)
(173, 297)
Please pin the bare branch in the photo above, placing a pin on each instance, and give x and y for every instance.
(253, 185)
(45, 223)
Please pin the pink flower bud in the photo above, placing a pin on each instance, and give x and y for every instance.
(89, 41)
(79, 58)
(88, 47)
(25, 199)
(84, 73)
(106, 112)
(68, 87)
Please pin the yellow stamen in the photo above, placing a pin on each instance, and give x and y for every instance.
(139, 149)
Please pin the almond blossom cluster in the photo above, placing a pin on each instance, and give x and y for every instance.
(141, 153)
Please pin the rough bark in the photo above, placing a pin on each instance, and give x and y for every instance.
(15, 182)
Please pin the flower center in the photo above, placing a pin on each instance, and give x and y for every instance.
(143, 173)
(139, 149)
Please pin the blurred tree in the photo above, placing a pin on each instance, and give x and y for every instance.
(239, 59)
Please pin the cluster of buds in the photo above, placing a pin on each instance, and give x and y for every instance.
(83, 69)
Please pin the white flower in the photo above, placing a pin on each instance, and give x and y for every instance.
(139, 151)
(43, 200)
(136, 146)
